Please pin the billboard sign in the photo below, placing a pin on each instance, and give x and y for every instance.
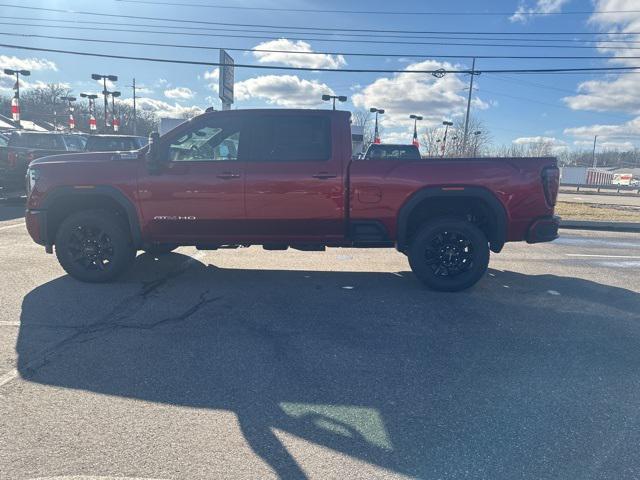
(225, 90)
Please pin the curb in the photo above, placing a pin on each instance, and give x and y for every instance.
(603, 226)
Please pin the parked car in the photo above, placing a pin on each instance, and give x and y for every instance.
(378, 151)
(114, 143)
(23, 147)
(280, 179)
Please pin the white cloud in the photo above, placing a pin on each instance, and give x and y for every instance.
(523, 12)
(298, 59)
(212, 76)
(615, 92)
(282, 90)
(164, 109)
(588, 144)
(554, 144)
(7, 83)
(181, 93)
(422, 94)
(111, 86)
(619, 94)
(538, 139)
(17, 63)
(607, 131)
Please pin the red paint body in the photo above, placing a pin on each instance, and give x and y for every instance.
(248, 201)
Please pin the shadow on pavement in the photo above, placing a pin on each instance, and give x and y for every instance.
(9, 211)
(503, 381)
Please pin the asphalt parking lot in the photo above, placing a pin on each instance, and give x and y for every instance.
(253, 364)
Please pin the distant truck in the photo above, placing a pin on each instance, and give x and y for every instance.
(285, 179)
(622, 179)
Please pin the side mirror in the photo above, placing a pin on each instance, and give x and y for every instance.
(153, 153)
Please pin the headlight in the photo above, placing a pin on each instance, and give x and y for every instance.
(32, 177)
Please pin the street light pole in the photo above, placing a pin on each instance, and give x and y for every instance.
(415, 129)
(15, 104)
(72, 123)
(595, 162)
(92, 105)
(475, 143)
(104, 78)
(115, 123)
(444, 139)
(135, 122)
(376, 135)
(340, 98)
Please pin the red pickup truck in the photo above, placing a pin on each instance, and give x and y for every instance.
(280, 179)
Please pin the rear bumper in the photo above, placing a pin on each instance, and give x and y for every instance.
(36, 221)
(544, 229)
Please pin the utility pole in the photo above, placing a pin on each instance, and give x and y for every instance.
(595, 139)
(466, 119)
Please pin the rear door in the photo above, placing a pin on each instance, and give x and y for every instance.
(294, 178)
(199, 193)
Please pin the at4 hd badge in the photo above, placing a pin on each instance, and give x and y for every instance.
(175, 217)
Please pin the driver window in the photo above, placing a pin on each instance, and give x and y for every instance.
(206, 144)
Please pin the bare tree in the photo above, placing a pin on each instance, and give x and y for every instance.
(433, 140)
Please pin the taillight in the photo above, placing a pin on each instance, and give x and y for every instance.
(551, 184)
(12, 159)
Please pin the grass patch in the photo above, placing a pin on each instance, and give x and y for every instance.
(597, 212)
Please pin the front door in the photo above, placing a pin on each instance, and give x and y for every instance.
(293, 179)
(198, 195)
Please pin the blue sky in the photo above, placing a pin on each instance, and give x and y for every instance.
(565, 109)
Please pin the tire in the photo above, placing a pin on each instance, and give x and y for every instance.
(160, 248)
(449, 254)
(94, 246)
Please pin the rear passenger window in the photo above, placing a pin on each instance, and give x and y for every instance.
(291, 138)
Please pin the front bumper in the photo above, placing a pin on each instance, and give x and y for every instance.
(544, 229)
(36, 221)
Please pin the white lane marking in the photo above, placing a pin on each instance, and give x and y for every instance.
(631, 257)
(12, 226)
(347, 287)
(553, 292)
(7, 377)
(9, 324)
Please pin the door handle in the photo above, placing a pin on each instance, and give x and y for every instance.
(324, 175)
(228, 175)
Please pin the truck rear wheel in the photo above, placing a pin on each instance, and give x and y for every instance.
(449, 254)
(94, 246)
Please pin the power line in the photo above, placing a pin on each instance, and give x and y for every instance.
(333, 40)
(346, 54)
(376, 12)
(371, 33)
(286, 27)
(336, 70)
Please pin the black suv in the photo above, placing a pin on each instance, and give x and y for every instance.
(23, 147)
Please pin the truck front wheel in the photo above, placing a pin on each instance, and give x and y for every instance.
(449, 254)
(94, 246)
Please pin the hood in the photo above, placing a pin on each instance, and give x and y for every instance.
(87, 157)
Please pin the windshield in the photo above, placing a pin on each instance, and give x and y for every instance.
(42, 141)
(392, 152)
(75, 142)
(112, 144)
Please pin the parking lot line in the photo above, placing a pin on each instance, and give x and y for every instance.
(630, 257)
(12, 226)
